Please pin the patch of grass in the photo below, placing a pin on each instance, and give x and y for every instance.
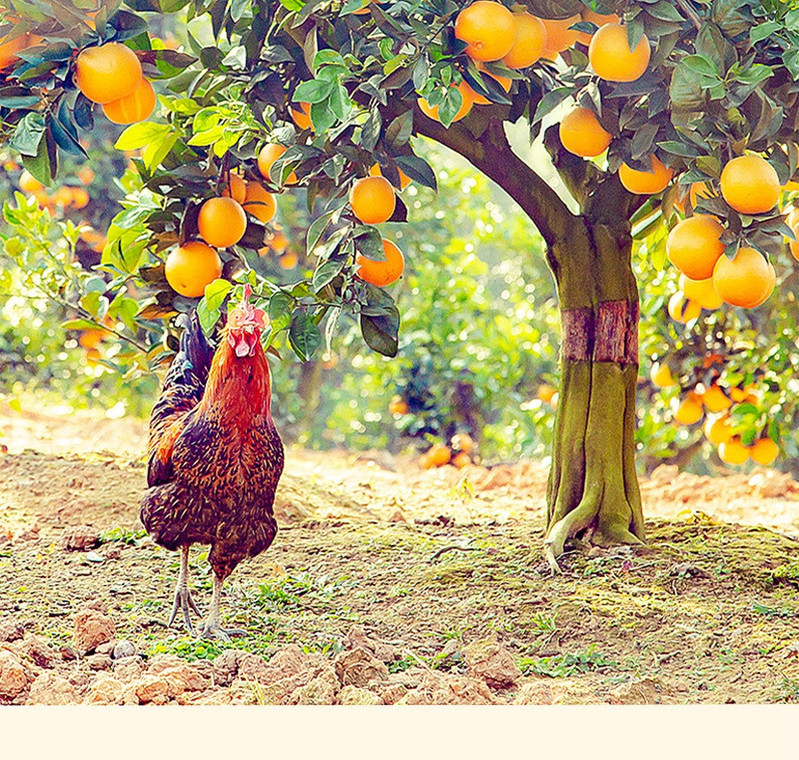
(565, 665)
(774, 612)
(399, 665)
(788, 690)
(123, 535)
(788, 573)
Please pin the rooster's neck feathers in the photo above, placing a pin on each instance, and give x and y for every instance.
(238, 387)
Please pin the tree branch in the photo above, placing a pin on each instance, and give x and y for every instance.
(491, 154)
(686, 7)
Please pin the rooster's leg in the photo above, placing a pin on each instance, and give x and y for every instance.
(211, 628)
(183, 599)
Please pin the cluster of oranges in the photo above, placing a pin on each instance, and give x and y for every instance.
(493, 33)
(373, 200)
(111, 75)
(222, 222)
(749, 185)
(458, 453)
(66, 196)
(716, 403)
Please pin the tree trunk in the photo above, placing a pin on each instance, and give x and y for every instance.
(593, 486)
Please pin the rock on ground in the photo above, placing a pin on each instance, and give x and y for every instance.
(358, 667)
(49, 688)
(491, 662)
(352, 695)
(92, 628)
(80, 538)
(15, 676)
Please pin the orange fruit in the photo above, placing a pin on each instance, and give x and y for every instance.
(715, 400)
(612, 59)
(277, 242)
(466, 103)
(545, 392)
(488, 28)
(733, 451)
(559, 36)
(750, 185)
(661, 376)
(10, 48)
(134, 107)
(381, 273)
(746, 281)
(191, 267)
(259, 202)
(29, 184)
(439, 454)
(93, 357)
(405, 180)
(764, 451)
(682, 309)
(267, 156)
(107, 72)
(646, 183)
(221, 222)
(302, 118)
(582, 134)
(425, 461)
(91, 338)
(701, 291)
(86, 175)
(531, 36)
(79, 197)
(235, 187)
(289, 260)
(372, 200)
(363, 11)
(461, 460)
(688, 411)
(480, 100)
(700, 190)
(397, 405)
(719, 429)
(793, 245)
(462, 442)
(694, 247)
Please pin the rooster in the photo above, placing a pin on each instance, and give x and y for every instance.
(215, 456)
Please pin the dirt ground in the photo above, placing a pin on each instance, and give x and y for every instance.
(388, 584)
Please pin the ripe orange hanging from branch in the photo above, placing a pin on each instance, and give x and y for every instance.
(467, 101)
(746, 280)
(531, 37)
(134, 107)
(582, 134)
(611, 57)
(646, 183)
(559, 36)
(372, 200)
(694, 246)
(750, 185)
(107, 72)
(488, 28)
(235, 187)
(221, 222)
(259, 202)
(267, 156)
(191, 267)
(381, 273)
(302, 117)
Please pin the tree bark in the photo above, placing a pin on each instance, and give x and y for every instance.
(593, 486)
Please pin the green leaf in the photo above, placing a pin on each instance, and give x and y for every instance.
(550, 101)
(316, 230)
(326, 273)
(313, 91)
(398, 133)
(216, 292)
(305, 337)
(139, 135)
(208, 317)
(381, 333)
(28, 135)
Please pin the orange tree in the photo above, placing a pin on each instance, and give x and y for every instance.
(688, 92)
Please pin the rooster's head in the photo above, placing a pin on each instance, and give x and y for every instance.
(244, 326)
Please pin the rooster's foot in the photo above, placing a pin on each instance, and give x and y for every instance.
(184, 602)
(215, 631)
